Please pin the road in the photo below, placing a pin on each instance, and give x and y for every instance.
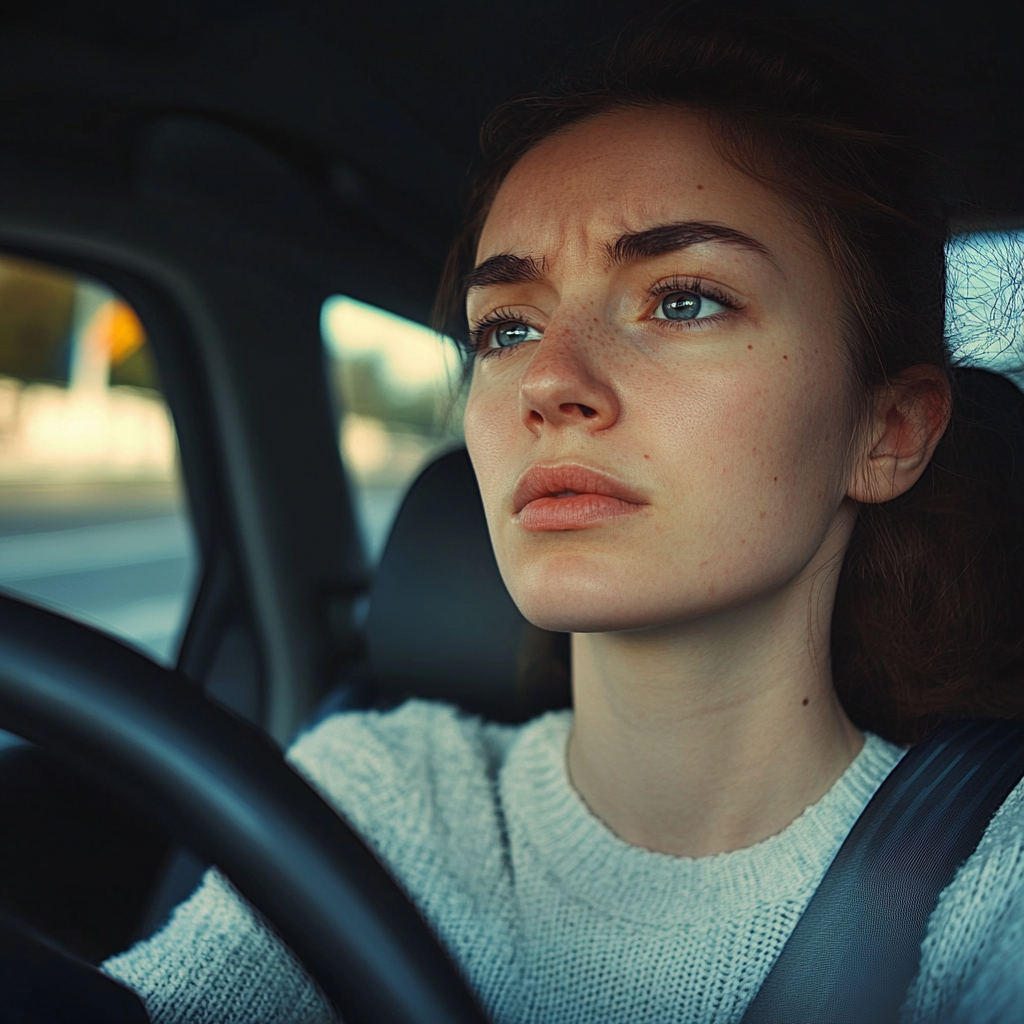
(131, 573)
(133, 578)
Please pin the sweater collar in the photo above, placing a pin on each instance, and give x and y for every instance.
(549, 820)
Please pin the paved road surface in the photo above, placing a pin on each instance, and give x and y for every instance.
(134, 579)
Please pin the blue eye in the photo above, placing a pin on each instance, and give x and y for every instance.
(686, 306)
(510, 333)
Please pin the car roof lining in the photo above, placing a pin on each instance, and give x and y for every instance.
(381, 124)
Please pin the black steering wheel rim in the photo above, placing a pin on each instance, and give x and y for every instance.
(221, 787)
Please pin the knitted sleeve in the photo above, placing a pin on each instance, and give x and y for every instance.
(996, 994)
(972, 958)
(397, 777)
(216, 962)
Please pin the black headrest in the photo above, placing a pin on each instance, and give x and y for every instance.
(441, 623)
(990, 448)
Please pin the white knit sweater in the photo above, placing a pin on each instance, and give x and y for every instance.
(554, 919)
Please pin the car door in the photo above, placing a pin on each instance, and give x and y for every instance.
(257, 543)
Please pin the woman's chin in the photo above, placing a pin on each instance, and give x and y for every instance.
(578, 593)
(577, 619)
(580, 606)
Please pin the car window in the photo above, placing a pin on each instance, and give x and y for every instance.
(985, 305)
(396, 385)
(93, 516)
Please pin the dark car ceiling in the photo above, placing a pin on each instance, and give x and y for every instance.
(365, 115)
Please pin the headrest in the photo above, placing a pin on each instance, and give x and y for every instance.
(441, 624)
(990, 449)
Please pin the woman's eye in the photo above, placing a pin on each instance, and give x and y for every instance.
(512, 333)
(687, 306)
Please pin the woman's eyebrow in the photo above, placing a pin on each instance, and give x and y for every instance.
(665, 238)
(505, 269)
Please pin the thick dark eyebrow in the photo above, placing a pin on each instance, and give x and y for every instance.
(505, 269)
(666, 238)
(629, 248)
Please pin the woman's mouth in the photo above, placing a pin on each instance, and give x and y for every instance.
(571, 497)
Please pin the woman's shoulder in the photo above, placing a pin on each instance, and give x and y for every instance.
(416, 777)
(420, 739)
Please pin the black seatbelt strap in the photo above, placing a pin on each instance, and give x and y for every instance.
(857, 947)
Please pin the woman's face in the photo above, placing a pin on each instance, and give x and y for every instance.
(660, 414)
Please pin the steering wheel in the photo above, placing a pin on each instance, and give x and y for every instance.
(222, 788)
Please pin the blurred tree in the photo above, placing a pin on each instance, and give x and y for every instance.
(131, 359)
(138, 370)
(36, 305)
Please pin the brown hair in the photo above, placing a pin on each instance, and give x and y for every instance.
(929, 616)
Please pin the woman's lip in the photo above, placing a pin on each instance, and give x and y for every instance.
(569, 497)
(573, 513)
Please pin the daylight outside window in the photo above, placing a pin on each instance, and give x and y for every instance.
(397, 384)
(93, 519)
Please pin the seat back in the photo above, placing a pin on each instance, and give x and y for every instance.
(441, 623)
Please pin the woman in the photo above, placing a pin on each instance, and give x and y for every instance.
(704, 289)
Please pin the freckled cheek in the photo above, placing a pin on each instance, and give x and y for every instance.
(746, 452)
(791, 452)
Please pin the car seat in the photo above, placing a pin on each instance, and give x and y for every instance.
(441, 623)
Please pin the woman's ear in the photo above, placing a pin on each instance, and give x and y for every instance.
(910, 416)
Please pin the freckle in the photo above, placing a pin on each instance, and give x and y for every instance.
(764, 515)
(700, 186)
(805, 702)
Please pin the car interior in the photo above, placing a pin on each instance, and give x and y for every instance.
(233, 497)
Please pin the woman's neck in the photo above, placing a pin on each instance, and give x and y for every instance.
(706, 737)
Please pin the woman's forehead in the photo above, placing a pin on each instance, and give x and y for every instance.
(618, 173)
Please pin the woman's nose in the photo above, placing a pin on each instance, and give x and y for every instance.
(563, 385)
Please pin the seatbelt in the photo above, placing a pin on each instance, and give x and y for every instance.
(857, 947)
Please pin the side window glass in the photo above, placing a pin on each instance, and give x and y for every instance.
(985, 303)
(397, 386)
(93, 516)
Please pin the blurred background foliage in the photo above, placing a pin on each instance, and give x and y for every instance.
(37, 325)
(36, 310)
